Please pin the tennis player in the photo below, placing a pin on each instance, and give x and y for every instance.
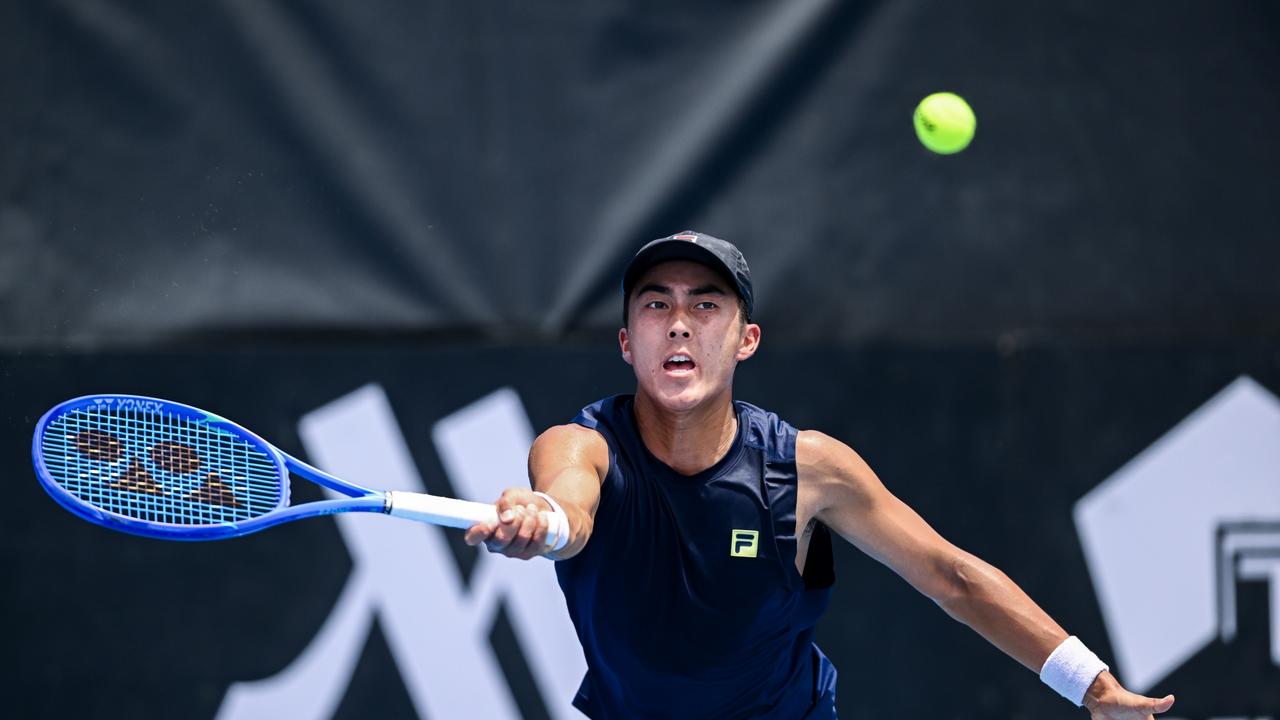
(698, 559)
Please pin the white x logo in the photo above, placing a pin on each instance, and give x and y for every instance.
(436, 628)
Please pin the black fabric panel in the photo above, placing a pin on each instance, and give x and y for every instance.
(818, 564)
(484, 169)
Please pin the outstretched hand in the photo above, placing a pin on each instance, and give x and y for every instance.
(521, 529)
(1108, 700)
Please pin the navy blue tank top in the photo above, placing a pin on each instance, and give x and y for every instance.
(686, 599)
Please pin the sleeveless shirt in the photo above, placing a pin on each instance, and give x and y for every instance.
(686, 598)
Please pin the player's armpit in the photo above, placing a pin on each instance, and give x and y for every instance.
(569, 462)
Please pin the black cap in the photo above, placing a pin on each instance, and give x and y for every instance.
(719, 255)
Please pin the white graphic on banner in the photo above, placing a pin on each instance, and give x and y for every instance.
(1168, 536)
(404, 573)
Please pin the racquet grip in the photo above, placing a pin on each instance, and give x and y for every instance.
(450, 512)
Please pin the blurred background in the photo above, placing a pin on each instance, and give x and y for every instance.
(1061, 346)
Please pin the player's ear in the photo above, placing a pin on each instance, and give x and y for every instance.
(624, 344)
(749, 343)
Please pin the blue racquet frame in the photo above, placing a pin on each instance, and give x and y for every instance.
(120, 435)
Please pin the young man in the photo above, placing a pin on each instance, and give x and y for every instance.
(697, 557)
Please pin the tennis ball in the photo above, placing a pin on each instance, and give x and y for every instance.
(945, 123)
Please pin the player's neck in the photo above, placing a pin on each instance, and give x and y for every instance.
(690, 441)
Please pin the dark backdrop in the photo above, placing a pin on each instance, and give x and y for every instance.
(258, 206)
(484, 169)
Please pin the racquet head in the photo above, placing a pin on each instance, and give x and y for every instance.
(155, 467)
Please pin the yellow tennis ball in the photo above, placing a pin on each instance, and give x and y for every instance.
(945, 123)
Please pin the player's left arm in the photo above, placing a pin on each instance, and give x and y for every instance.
(839, 489)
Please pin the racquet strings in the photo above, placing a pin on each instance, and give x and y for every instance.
(159, 467)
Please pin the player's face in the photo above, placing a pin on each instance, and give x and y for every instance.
(684, 336)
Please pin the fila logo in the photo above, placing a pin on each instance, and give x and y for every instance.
(437, 623)
(1191, 516)
(743, 543)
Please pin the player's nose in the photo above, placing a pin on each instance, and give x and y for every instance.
(678, 326)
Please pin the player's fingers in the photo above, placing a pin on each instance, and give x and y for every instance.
(494, 537)
(539, 540)
(538, 532)
(528, 524)
(497, 543)
(504, 501)
(505, 530)
(504, 506)
(509, 530)
(508, 525)
(478, 533)
(512, 498)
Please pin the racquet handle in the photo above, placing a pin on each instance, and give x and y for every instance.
(463, 514)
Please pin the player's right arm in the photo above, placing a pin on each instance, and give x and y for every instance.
(567, 462)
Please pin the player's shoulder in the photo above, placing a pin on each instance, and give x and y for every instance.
(604, 413)
(819, 452)
(570, 434)
(767, 431)
(571, 443)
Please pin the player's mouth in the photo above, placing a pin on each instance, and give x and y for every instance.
(678, 364)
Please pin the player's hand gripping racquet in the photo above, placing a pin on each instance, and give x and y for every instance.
(167, 470)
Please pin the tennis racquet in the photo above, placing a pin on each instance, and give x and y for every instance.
(162, 469)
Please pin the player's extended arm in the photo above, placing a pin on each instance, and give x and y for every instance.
(839, 489)
(568, 463)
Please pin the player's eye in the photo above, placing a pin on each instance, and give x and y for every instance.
(705, 305)
(655, 304)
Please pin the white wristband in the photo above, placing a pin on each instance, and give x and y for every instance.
(562, 537)
(1071, 669)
